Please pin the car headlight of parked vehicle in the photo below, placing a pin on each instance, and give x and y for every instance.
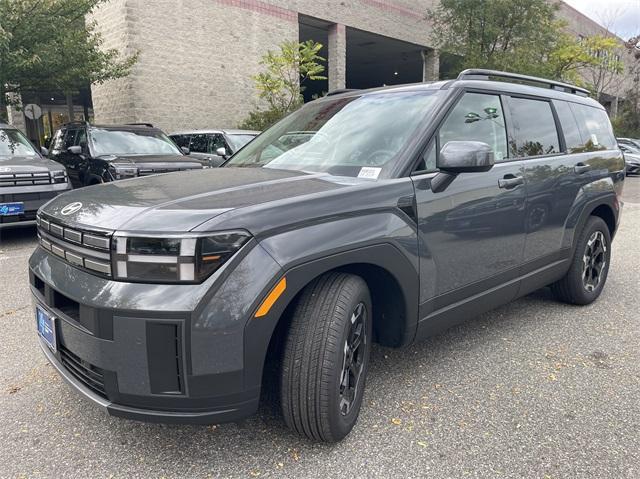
(180, 259)
(59, 176)
(119, 172)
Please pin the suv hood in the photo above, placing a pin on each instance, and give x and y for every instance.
(27, 164)
(181, 201)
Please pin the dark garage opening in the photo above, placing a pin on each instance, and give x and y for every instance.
(316, 30)
(374, 60)
(371, 60)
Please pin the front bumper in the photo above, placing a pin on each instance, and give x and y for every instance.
(160, 353)
(33, 198)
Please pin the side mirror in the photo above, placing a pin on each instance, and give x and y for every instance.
(44, 151)
(465, 157)
(185, 150)
(75, 150)
(461, 157)
(222, 151)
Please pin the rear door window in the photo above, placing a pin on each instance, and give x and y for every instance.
(477, 117)
(181, 140)
(570, 130)
(595, 128)
(535, 128)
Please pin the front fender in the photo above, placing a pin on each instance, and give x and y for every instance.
(385, 240)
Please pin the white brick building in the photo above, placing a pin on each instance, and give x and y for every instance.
(197, 57)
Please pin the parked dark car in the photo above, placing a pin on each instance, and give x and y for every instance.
(407, 210)
(213, 147)
(631, 158)
(27, 179)
(631, 142)
(96, 154)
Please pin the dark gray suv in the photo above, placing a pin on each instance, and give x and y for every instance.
(394, 214)
(27, 179)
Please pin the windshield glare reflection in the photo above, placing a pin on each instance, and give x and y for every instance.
(14, 143)
(341, 136)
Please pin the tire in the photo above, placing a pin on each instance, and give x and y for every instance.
(573, 288)
(326, 318)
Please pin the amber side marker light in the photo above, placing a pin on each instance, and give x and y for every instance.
(271, 298)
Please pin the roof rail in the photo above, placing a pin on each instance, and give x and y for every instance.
(77, 123)
(483, 74)
(140, 124)
(340, 90)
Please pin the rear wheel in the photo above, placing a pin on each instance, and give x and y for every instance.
(326, 357)
(587, 275)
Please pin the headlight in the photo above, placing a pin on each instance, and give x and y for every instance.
(59, 176)
(173, 259)
(118, 172)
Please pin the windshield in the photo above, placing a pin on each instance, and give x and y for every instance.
(142, 142)
(354, 136)
(14, 143)
(238, 141)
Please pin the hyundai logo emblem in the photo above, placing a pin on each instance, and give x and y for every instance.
(71, 208)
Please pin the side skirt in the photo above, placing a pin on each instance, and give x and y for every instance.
(532, 277)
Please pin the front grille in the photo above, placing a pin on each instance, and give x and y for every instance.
(88, 374)
(25, 179)
(24, 197)
(88, 250)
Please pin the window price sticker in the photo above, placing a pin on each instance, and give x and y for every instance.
(369, 172)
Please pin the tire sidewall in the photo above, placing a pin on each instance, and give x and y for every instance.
(339, 424)
(595, 224)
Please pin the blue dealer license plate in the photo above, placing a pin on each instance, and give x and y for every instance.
(46, 327)
(11, 209)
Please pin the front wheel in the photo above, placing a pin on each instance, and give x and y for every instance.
(587, 275)
(326, 357)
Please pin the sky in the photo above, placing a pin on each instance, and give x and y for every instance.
(620, 16)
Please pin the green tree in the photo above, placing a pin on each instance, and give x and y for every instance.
(627, 123)
(509, 35)
(282, 82)
(50, 45)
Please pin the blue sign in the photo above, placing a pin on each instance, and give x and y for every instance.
(10, 209)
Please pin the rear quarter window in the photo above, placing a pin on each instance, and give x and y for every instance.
(595, 128)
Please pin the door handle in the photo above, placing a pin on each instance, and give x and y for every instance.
(581, 168)
(510, 181)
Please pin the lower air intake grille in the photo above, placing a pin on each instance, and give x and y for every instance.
(88, 374)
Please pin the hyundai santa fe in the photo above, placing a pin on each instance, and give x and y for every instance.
(383, 215)
(27, 179)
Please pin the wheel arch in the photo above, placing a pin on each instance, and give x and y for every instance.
(384, 268)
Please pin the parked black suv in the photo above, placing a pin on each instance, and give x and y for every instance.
(96, 154)
(407, 210)
(27, 179)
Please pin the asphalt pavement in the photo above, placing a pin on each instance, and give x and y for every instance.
(534, 389)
